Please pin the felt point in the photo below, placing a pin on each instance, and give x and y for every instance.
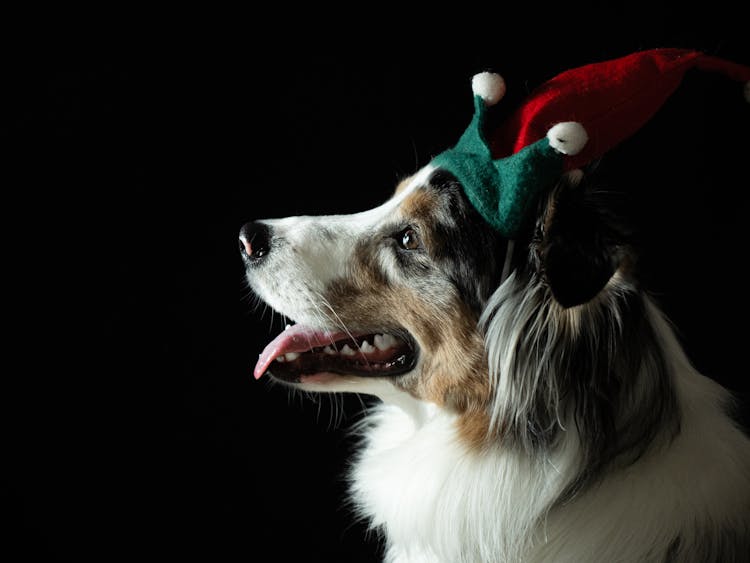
(490, 86)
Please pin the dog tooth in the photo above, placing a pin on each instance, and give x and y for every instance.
(287, 327)
(385, 341)
(291, 356)
(346, 351)
(328, 350)
(281, 359)
(366, 347)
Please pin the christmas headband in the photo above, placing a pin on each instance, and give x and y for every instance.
(566, 123)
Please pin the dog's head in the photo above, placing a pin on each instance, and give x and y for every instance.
(389, 301)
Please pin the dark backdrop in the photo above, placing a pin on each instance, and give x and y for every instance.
(132, 425)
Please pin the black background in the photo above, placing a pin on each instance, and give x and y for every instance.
(133, 427)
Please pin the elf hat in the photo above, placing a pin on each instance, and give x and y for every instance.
(565, 123)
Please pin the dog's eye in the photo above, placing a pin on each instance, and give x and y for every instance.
(408, 239)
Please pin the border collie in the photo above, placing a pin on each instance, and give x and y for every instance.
(536, 404)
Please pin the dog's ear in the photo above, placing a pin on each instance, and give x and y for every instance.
(577, 248)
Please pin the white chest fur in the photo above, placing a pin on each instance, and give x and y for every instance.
(438, 501)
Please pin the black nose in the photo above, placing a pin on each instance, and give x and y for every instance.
(255, 240)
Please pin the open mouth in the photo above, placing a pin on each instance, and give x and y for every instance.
(301, 351)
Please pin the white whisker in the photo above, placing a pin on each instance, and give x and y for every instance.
(344, 327)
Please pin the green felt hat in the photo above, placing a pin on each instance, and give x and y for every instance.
(549, 133)
(503, 189)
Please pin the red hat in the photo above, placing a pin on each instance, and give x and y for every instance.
(611, 100)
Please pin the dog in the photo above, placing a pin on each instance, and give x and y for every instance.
(535, 402)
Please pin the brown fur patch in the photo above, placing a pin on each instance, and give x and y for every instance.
(452, 370)
(420, 204)
(474, 429)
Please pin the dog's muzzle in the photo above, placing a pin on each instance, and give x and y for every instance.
(305, 351)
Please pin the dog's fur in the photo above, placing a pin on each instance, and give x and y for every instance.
(550, 415)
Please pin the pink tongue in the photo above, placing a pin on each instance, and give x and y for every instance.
(297, 338)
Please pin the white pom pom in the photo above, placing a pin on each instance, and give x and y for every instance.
(568, 137)
(747, 91)
(490, 86)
